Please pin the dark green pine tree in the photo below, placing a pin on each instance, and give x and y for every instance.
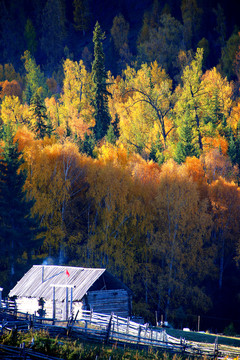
(156, 151)
(68, 129)
(99, 76)
(49, 130)
(39, 116)
(19, 231)
(88, 144)
(185, 146)
(234, 148)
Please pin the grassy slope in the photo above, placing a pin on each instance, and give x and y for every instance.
(204, 338)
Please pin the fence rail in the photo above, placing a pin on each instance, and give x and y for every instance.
(13, 353)
(7, 304)
(114, 329)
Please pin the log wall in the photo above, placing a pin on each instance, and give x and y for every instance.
(109, 301)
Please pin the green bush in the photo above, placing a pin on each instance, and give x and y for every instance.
(229, 330)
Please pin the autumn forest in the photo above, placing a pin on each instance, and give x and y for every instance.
(120, 148)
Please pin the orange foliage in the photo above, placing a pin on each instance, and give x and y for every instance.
(11, 88)
(225, 200)
(217, 165)
(195, 170)
(147, 171)
(216, 142)
(52, 85)
(24, 137)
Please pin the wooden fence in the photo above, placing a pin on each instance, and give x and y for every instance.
(7, 304)
(22, 353)
(116, 330)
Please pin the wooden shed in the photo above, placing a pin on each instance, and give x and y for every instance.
(60, 291)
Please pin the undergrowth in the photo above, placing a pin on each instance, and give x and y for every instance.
(68, 349)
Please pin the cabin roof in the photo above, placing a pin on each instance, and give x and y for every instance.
(39, 281)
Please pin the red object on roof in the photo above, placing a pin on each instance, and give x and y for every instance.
(67, 272)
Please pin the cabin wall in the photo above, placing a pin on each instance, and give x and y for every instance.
(110, 301)
(27, 305)
(31, 306)
(60, 309)
(101, 301)
(78, 306)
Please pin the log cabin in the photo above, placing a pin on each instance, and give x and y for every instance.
(60, 292)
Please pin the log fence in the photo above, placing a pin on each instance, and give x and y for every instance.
(113, 329)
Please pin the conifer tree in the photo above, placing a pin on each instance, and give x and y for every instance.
(99, 76)
(53, 32)
(35, 81)
(156, 151)
(81, 15)
(234, 149)
(39, 117)
(18, 229)
(113, 131)
(88, 144)
(185, 145)
(49, 128)
(30, 37)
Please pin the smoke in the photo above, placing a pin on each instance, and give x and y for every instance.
(49, 261)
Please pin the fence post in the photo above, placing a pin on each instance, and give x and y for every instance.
(216, 348)
(146, 327)
(183, 344)
(156, 317)
(127, 330)
(139, 333)
(1, 289)
(22, 350)
(54, 306)
(108, 330)
(91, 313)
(198, 323)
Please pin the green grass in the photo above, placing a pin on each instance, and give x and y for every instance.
(69, 349)
(204, 338)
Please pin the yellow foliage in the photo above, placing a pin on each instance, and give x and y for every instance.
(121, 203)
(212, 81)
(53, 174)
(146, 104)
(11, 110)
(159, 75)
(52, 107)
(75, 102)
(183, 222)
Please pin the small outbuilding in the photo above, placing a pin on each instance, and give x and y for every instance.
(61, 291)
